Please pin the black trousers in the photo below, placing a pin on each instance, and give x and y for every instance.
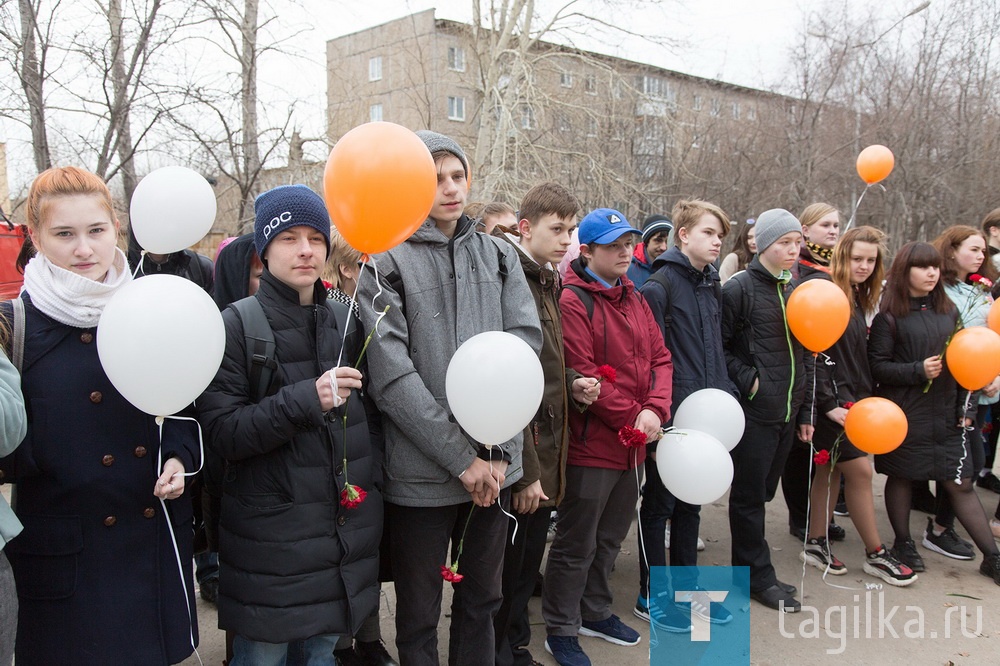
(521, 562)
(658, 506)
(420, 541)
(795, 483)
(758, 461)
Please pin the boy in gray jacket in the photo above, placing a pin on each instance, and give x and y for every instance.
(445, 284)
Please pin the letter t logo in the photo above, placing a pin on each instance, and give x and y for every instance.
(701, 628)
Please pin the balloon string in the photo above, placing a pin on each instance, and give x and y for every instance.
(142, 258)
(965, 436)
(337, 400)
(500, 504)
(812, 450)
(653, 640)
(170, 526)
(856, 206)
(378, 292)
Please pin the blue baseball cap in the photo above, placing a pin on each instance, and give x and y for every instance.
(604, 225)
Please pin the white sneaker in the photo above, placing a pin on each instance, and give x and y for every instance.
(666, 541)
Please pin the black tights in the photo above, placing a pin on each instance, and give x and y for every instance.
(964, 502)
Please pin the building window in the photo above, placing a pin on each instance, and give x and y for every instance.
(716, 107)
(456, 58)
(736, 110)
(527, 118)
(591, 126)
(375, 68)
(751, 113)
(590, 85)
(566, 79)
(456, 108)
(696, 103)
(563, 123)
(375, 113)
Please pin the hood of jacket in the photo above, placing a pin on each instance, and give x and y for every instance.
(232, 271)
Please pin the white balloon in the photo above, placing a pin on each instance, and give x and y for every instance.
(714, 412)
(694, 466)
(494, 386)
(161, 340)
(172, 208)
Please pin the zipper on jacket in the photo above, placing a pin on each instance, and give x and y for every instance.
(791, 354)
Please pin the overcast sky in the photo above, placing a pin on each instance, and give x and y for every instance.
(744, 42)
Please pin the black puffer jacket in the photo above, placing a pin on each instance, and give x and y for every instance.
(759, 345)
(695, 340)
(897, 348)
(295, 563)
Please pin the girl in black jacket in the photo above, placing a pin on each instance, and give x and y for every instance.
(843, 378)
(904, 351)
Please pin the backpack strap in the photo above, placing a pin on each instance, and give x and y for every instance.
(585, 297)
(743, 322)
(668, 318)
(260, 345)
(17, 343)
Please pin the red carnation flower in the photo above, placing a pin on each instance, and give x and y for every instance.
(605, 373)
(631, 437)
(976, 278)
(821, 457)
(451, 574)
(351, 496)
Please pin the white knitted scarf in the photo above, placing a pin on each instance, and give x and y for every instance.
(70, 298)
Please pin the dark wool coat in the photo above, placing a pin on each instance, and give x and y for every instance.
(97, 578)
(294, 562)
(775, 356)
(933, 446)
(621, 334)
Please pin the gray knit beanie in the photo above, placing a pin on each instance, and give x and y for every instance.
(436, 142)
(772, 225)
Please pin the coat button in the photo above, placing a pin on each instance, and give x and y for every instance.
(148, 512)
(140, 452)
(110, 521)
(96, 397)
(108, 460)
(86, 338)
(341, 520)
(339, 470)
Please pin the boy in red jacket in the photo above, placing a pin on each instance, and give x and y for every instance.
(609, 333)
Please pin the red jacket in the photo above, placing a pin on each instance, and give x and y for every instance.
(624, 335)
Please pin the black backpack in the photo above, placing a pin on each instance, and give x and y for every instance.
(261, 363)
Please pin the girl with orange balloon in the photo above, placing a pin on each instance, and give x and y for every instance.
(820, 231)
(843, 378)
(904, 350)
(967, 278)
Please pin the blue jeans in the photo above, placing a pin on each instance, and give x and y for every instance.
(315, 651)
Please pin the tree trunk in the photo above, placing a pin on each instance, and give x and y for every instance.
(121, 119)
(31, 81)
(248, 97)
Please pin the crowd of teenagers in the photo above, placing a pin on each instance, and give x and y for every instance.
(332, 464)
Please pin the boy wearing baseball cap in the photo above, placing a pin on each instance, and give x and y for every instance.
(298, 567)
(766, 363)
(606, 324)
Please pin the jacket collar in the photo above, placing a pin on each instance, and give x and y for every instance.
(275, 292)
(429, 233)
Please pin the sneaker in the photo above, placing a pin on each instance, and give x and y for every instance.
(663, 613)
(991, 568)
(567, 651)
(817, 553)
(666, 541)
(835, 532)
(948, 543)
(373, 653)
(705, 608)
(209, 590)
(989, 482)
(612, 629)
(906, 552)
(882, 564)
(840, 509)
(778, 598)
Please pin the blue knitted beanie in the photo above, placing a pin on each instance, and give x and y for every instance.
(288, 206)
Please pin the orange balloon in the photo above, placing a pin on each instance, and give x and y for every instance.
(993, 319)
(379, 186)
(875, 163)
(973, 357)
(875, 425)
(818, 312)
